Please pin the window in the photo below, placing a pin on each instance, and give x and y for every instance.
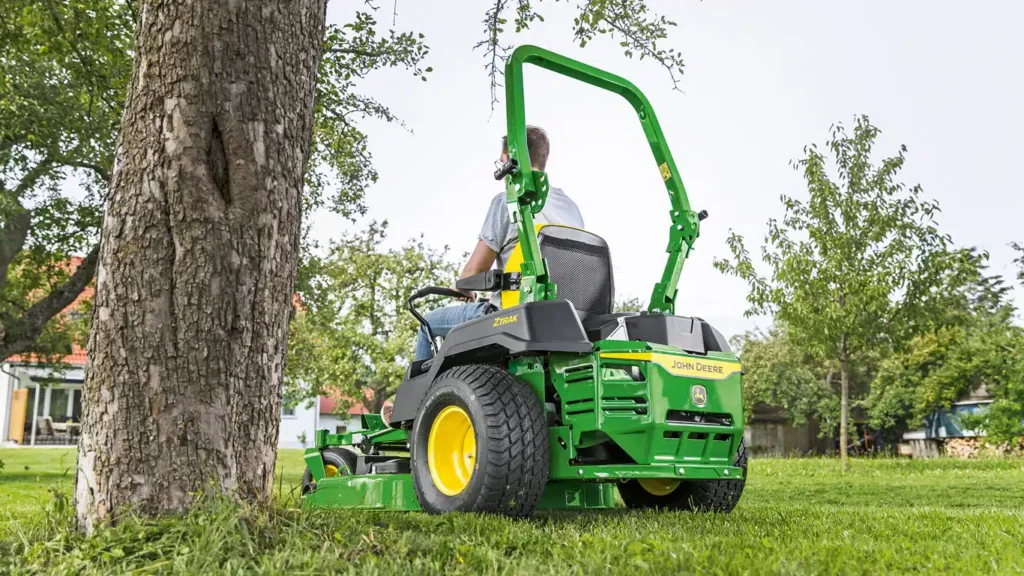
(287, 411)
(59, 401)
(340, 429)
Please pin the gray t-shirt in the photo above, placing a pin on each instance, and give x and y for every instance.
(500, 235)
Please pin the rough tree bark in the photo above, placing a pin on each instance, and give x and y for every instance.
(198, 256)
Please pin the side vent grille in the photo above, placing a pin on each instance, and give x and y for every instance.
(579, 373)
(624, 405)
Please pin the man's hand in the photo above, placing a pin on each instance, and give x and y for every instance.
(480, 261)
(469, 294)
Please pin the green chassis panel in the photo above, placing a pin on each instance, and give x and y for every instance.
(395, 492)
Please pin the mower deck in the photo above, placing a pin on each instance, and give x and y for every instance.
(395, 492)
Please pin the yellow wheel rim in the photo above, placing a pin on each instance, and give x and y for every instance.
(659, 486)
(331, 470)
(451, 450)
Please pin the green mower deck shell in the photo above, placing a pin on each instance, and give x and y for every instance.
(395, 492)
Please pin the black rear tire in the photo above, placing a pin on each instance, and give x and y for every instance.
(696, 495)
(510, 466)
(343, 459)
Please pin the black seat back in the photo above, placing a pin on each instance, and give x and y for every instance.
(580, 264)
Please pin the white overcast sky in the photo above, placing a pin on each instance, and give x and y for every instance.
(762, 80)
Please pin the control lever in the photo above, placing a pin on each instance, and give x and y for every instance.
(507, 168)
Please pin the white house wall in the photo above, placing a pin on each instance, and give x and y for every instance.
(297, 430)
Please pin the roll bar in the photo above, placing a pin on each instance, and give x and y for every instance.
(526, 189)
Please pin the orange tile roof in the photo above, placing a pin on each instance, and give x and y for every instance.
(329, 403)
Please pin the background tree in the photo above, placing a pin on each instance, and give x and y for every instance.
(777, 372)
(975, 348)
(853, 269)
(939, 368)
(353, 336)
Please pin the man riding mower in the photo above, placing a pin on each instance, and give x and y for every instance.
(556, 401)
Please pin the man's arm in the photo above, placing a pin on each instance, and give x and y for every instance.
(480, 260)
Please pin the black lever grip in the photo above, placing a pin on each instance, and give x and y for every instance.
(437, 291)
(507, 168)
(702, 215)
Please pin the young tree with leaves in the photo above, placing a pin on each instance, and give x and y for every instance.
(855, 269)
(353, 336)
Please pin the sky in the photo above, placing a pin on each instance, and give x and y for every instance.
(763, 79)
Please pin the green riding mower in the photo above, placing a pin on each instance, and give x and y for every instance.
(555, 401)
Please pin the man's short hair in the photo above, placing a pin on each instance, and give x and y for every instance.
(538, 145)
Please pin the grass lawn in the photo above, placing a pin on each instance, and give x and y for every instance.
(796, 517)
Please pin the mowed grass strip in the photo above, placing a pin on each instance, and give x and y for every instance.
(796, 517)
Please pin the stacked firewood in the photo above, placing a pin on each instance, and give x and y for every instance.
(963, 447)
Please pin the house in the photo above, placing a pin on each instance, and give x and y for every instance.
(42, 406)
(42, 403)
(769, 432)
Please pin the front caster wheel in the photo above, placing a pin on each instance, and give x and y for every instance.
(698, 495)
(337, 462)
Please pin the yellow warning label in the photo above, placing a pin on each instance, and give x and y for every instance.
(682, 365)
(665, 172)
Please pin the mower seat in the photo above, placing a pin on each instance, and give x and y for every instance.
(579, 263)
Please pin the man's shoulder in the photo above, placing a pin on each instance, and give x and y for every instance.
(561, 194)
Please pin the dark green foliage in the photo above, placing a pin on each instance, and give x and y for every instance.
(62, 81)
(941, 367)
(778, 373)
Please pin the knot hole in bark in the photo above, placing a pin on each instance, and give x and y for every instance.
(219, 163)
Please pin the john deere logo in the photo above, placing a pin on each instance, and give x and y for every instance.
(699, 395)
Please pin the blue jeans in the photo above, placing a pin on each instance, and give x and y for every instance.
(442, 320)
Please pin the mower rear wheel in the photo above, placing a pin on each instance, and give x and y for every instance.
(479, 444)
(697, 495)
(337, 462)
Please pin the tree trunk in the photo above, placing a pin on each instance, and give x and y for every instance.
(844, 411)
(375, 400)
(198, 256)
